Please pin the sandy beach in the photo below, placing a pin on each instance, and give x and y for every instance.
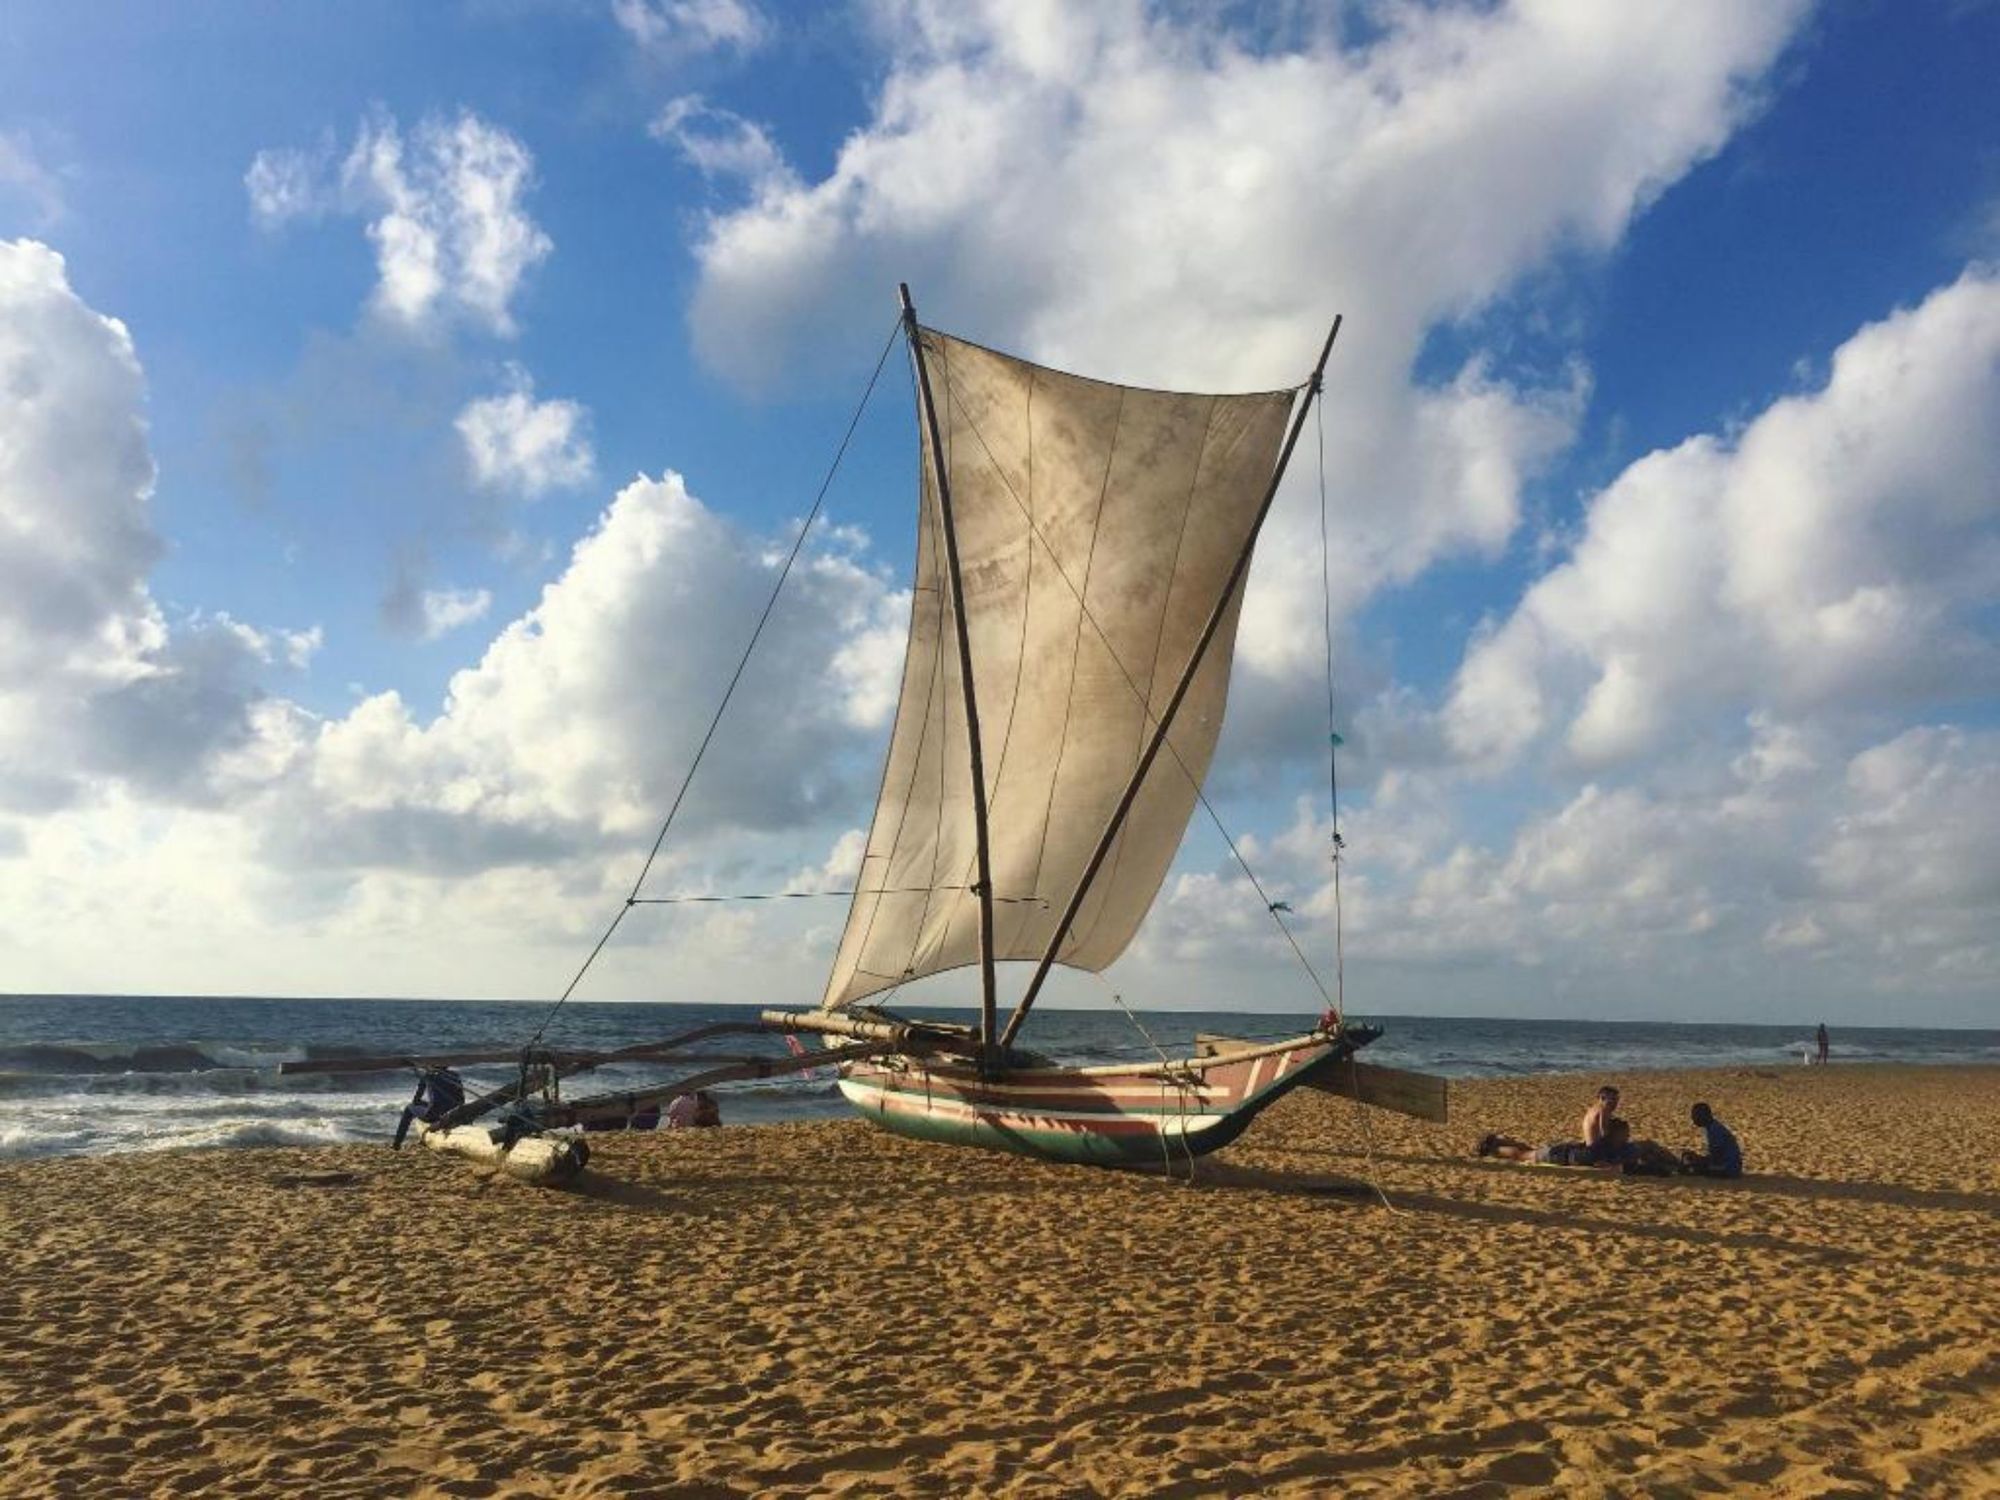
(825, 1309)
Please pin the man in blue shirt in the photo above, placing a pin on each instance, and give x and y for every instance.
(1723, 1158)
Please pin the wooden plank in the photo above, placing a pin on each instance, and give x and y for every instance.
(1418, 1095)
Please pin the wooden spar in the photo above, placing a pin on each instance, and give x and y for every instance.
(531, 1059)
(761, 1067)
(1350, 1036)
(388, 1064)
(1166, 719)
(638, 1052)
(907, 1036)
(728, 1069)
(895, 1033)
(983, 886)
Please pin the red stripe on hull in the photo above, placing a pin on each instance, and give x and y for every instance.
(1220, 1088)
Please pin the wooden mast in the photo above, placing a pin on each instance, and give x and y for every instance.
(983, 886)
(1166, 719)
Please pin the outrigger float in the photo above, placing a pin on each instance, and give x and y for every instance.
(1082, 554)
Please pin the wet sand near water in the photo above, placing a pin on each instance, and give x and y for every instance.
(826, 1309)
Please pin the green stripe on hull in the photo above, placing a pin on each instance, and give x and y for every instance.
(1055, 1143)
(1084, 1147)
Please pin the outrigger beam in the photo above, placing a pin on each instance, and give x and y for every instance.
(636, 1053)
(760, 1067)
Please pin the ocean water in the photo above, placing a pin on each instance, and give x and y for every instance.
(99, 1074)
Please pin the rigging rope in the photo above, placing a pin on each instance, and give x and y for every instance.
(1339, 845)
(1167, 1081)
(1332, 729)
(777, 588)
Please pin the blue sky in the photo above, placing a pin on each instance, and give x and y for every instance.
(1665, 587)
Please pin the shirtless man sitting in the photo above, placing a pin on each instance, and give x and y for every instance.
(1597, 1120)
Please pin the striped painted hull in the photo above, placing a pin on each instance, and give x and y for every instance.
(1146, 1114)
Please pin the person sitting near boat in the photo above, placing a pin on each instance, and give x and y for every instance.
(439, 1092)
(696, 1111)
(1723, 1156)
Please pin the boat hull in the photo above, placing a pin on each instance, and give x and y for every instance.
(1146, 1115)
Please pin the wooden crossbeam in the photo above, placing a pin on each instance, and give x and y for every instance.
(1422, 1096)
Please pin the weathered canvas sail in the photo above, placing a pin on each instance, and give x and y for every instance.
(1069, 496)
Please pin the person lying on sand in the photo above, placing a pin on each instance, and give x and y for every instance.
(1723, 1158)
(1556, 1153)
(1614, 1148)
(1591, 1151)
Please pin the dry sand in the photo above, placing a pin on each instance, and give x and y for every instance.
(823, 1309)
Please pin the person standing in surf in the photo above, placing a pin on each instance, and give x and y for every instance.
(1822, 1043)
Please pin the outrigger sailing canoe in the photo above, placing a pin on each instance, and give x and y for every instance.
(1082, 554)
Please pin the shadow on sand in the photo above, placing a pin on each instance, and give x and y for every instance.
(1830, 1189)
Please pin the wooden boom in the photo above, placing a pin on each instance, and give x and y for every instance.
(919, 1035)
(579, 1111)
(636, 1053)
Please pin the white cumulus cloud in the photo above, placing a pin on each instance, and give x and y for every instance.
(26, 180)
(722, 145)
(578, 721)
(446, 209)
(445, 610)
(94, 680)
(1718, 727)
(1145, 194)
(679, 28)
(1841, 550)
(523, 446)
(149, 773)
